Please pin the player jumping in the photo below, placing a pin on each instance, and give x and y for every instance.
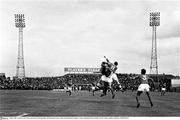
(108, 70)
(143, 87)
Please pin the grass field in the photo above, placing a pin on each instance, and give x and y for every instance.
(41, 103)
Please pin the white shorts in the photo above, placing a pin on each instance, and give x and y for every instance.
(93, 88)
(110, 78)
(143, 87)
(163, 89)
(69, 88)
(114, 77)
(104, 78)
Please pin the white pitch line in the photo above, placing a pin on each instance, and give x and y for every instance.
(22, 115)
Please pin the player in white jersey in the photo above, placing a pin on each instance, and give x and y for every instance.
(69, 89)
(143, 87)
(163, 89)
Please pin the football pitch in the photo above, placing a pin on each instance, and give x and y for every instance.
(42, 103)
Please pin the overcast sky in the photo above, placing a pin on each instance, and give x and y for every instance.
(78, 33)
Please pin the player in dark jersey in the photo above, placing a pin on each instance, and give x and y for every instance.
(143, 87)
(108, 70)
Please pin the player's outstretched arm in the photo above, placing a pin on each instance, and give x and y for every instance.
(106, 59)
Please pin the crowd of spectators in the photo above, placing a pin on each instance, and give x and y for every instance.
(128, 81)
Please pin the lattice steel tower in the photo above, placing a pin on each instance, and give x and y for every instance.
(20, 23)
(154, 21)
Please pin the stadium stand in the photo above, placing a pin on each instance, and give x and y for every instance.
(128, 81)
